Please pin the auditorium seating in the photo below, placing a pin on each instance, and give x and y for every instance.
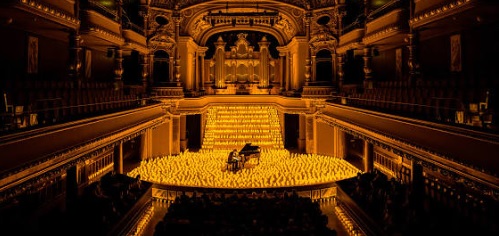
(48, 102)
(443, 100)
(398, 209)
(216, 214)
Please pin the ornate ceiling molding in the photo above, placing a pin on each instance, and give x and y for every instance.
(305, 4)
(201, 19)
(162, 42)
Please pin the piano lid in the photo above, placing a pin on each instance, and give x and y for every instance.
(249, 147)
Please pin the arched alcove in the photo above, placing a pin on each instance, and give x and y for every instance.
(324, 66)
(161, 73)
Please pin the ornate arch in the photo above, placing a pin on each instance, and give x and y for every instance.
(283, 21)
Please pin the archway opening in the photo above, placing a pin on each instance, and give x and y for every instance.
(161, 73)
(324, 66)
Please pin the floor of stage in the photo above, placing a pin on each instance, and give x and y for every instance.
(161, 208)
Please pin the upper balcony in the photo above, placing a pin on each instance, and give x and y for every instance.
(350, 40)
(49, 14)
(134, 37)
(387, 25)
(429, 11)
(100, 25)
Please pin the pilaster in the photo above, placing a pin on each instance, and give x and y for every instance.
(368, 156)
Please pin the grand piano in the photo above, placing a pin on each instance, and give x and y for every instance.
(249, 151)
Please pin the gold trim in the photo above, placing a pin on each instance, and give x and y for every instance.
(436, 13)
(65, 18)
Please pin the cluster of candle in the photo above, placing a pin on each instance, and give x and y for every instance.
(229, 127)
(276, 168)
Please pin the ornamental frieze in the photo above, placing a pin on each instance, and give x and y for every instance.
(305, 4)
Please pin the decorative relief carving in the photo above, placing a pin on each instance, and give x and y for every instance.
(200, 25)
(170, 4)
(324, 30)
(163, 42)
(160, 23)
(285, 26)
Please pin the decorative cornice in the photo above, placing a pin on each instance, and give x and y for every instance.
(49, 11)
(104, 34)
(380, 34)
(437, 13)
(136, 46)
(346, 47)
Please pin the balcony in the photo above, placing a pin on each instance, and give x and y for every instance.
(387, 27)
(98, 29)
(423, 6)
(350, 40)
(93, 133)
(134, 38)
(52, 14)
(429, 11)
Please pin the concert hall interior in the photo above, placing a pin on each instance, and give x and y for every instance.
(239, 117)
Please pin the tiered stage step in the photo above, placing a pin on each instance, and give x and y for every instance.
(231, 127)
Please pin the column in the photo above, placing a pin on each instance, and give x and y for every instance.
(368, 83)
(413, 62)
(145, 69)
(302, 132)
(183, 137)
(177, 18)
(333, 68)
(417, 181)
(171, 69)
(175, 134)
(72, 183)
(264, 62)
(308, 61)
(189, 75)
(118, 52)
(234, 70)
(341, 73)
(281, 70)
(219, 62)
(118, 68)
(151, 67)
(368, 156)
(203, 123)
(197, 66)
(314, 68)
(118, 158)
(75, 57)
(146, 145)
(201, 59)
(310, 139)
(339, 143)
(289, 71)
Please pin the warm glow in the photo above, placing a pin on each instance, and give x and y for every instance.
(277, 168)
(229, 127)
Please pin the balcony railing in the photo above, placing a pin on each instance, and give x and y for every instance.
(357, 24)
(131, 26)
(109, 13)
(388, 7)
